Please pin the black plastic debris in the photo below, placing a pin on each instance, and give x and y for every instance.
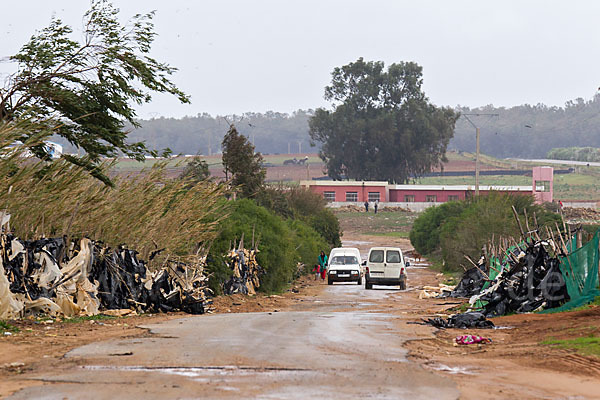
(91, 277)
(532, 281)
(470, 284)
(462, 321)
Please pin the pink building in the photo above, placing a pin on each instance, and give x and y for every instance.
(359, 191)
(349, 191)
(543, 184)
(444, 193)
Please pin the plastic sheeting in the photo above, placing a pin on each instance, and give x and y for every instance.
(90, 278)
(580, 272)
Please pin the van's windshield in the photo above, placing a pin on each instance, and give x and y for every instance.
(344, 260)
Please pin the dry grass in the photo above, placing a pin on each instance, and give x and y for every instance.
(148, 210)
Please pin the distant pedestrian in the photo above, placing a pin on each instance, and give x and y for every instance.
(366, 206)
(560, 205)
(323, 264)
(376, 205)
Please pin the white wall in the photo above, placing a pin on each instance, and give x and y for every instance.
(416, 207)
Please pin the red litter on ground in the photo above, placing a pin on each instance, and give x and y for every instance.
(471, 339)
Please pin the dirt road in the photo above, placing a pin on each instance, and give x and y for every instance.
(339, 344)
(336, 341)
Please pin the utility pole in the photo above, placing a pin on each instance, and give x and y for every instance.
(299, 147)
(477, 145)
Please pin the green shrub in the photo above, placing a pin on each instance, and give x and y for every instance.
(327, 225)
(308, 243)
(275, 198)
(301, 204)
(425, 233)
(462, 228)
(277, 252)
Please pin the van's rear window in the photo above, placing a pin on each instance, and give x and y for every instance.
(392, 256)
(376, 256)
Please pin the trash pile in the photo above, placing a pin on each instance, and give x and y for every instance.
(472, 319)
(532, 275)
(246, 270)
(81, 278)
(581, 214)
(470, 284)
(528, 282)
(441, 290)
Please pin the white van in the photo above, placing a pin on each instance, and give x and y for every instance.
(385, 266)
(344, 265)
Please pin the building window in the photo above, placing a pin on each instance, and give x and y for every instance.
(431, 198)
(542, 186)
(409, 198)
(352, 196)
(374, 196)
(452, 197)
(329, 196)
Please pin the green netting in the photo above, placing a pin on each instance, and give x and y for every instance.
(580, 272)
(572, 244)
(497, 266)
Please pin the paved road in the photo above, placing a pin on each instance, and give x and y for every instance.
(560, 162)
(337, 345)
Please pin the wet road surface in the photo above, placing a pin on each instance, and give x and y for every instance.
(339, 344)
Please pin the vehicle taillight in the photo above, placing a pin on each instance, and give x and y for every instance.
(367, 269)
(401, 270)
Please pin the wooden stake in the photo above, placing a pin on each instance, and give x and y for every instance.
(518, 221)
(477, 266)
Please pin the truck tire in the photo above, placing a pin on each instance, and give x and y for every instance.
(329, 281)
(359, 282)
(368, 285)
(402, 285)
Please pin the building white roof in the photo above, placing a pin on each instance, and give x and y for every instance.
(343, 183)
(417, 187)
(462, 187)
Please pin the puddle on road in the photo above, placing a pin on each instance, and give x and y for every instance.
(453, 370)
(204, 374)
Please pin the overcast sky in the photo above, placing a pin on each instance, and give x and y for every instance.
(259, 55)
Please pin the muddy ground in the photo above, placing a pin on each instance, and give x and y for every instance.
(515, 364)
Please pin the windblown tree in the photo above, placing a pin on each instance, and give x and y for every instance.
(85, 90)
(382, 125)
(242, 164)
(195, 170)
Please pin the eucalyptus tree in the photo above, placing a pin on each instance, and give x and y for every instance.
(381, 125)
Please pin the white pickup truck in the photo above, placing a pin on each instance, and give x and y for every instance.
(344, 265)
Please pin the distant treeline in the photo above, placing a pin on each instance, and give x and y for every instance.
(524, 131)
(271, 132)
(530, 131)
(575, 154)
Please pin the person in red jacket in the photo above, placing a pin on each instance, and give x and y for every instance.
(317, 271)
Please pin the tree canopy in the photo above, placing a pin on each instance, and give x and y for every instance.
(382, 125)
(85, 91)
(242, 164)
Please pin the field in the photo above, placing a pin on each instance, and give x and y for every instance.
(384, 223)
(581, 185)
